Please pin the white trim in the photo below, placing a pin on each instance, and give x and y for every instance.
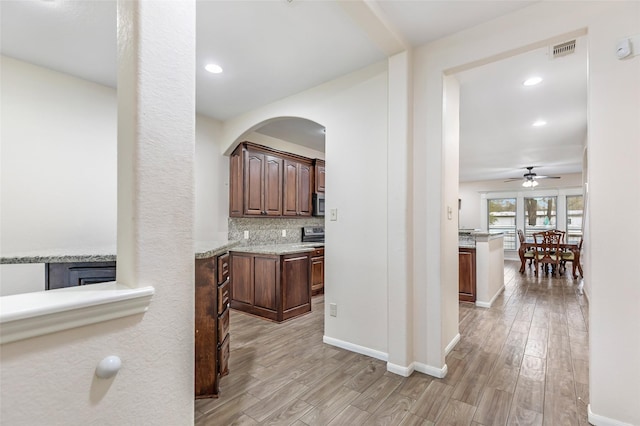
(452, 344)
(430, 370)
(493, 299)
(27, 315)
(400, 370)
(598, 420)
(355, 348)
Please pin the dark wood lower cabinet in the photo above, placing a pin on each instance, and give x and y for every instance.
(211, 324)
(61, 275)
(275, 287)
(317, 271)
(467, 274)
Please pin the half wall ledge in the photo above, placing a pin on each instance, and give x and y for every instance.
(23, 316)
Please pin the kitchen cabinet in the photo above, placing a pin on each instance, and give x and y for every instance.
(297, 188)
(318, 170)
(212, 297)
(467, 274)
(275, 287)
(60, 275)
(255, 183)
(317, 271)
(264, 182)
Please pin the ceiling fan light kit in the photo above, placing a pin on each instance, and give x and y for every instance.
(530, 178)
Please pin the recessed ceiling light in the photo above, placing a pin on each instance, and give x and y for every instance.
(213, 68)
(539, 123)
(532, 81)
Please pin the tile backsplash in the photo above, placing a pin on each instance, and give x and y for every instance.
(269, 230)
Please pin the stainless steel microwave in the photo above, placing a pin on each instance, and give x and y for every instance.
(318, 204)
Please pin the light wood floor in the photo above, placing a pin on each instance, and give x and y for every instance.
(522, 362)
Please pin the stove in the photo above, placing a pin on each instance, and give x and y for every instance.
(313, 234)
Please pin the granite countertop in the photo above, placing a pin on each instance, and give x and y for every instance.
(202, 250)
(278, 249)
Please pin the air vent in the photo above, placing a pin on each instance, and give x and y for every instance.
(563, 49)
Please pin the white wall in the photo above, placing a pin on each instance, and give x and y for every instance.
(59, 164)
(58, 160)
(283, 145)
(354, 111)
(614, 105)
(212, 182)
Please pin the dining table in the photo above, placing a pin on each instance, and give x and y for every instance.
(528, 244)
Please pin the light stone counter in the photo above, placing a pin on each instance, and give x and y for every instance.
(278, 249)
(202, 249)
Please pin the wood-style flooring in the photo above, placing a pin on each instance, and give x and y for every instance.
(522, 362)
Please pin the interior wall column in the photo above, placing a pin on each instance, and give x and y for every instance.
(156, 142)
(399, 230)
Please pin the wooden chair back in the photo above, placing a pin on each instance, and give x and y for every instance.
(547, 250)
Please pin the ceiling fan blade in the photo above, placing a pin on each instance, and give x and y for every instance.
(546, 177)
(513, 179)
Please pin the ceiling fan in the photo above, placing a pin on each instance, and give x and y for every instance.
(530, 178)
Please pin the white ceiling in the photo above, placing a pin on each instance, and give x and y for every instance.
(271, 49)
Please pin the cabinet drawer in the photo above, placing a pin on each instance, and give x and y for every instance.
(318, 252)
(223, 296)
(223, 268)
(223, 357)
(223, 325)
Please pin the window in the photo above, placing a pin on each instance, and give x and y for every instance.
(575, 209)
(502, 217)
(539, 214)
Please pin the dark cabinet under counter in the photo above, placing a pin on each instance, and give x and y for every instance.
(72, 274)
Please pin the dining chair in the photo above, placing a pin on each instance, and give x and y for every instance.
(570, 256)
(547, 250)
(528, 254)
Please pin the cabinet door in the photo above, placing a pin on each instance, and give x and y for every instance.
(235, 184)
(242, 278)
(266, 276)
(273, 186)
(297, 189)
(296, 288)
(467, 275)
(254, 183)
(319, 175)
(290, 188)
(317, 274)
(304, 190)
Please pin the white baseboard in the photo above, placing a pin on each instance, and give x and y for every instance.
(452, 344)
(355, 348)
(490, 302)
(598, 420)
(400, 370)
(430, 370)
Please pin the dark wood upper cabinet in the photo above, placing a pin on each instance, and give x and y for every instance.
(318, 167)
(262, 184)
(297, 189)
(267, 182)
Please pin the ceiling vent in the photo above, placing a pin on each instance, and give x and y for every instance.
(563, 49)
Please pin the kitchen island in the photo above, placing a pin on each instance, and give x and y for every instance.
(273, 281)
(481, 266)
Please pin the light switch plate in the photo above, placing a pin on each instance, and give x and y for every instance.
(246, 235)
(334, 214)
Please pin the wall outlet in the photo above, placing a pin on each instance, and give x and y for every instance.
(334, 214)
(246, 235)
(284, 232)
(333, 309)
